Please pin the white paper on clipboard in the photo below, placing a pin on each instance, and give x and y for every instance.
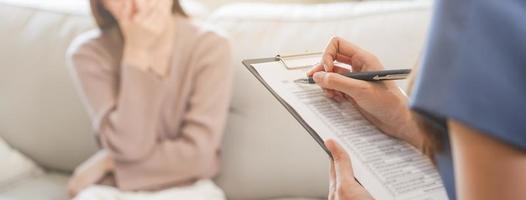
(387, 167)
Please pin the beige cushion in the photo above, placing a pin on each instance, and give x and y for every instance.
(41, 112)
(46, 187)
(14, 165)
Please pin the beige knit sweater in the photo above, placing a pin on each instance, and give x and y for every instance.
(161, 132)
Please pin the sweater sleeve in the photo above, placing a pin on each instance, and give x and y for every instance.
(194, 153)
(122, 101)
(125, 107)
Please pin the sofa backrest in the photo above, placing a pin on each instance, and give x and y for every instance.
(266, 153)
(40, 112)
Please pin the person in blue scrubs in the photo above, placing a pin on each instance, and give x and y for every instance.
(468, 105)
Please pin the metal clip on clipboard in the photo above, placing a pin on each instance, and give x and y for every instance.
(299, 61)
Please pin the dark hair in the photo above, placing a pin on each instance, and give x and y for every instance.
(105, 19)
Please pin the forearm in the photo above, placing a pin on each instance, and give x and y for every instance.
(100, 161)
(92, 171)
(171, 163)
(121, 100)
(193, 154)
(405, 125)
(136, 57)
(486, 168)
(410, 130)
(193, 151)
(129, 130)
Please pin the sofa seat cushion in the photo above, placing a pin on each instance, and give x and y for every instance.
(47, 186)
(52, 186)
(15, 165)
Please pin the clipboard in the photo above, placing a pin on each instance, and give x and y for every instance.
(285, 62)
(380, 186)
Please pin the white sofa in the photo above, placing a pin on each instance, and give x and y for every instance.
(266, 153)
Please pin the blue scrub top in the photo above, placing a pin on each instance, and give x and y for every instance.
(474, 71)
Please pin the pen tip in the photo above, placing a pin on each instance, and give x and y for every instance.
(299, 81)
(302, 81)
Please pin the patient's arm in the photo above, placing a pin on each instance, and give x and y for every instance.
(90, 172)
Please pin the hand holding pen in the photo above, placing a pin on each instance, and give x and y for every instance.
(380, 102)
(332, 78)
(383, 103)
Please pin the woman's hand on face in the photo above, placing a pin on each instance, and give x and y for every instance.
(90, 172)
(381, 103)
(143, 21)
(143, 24)
(343, 186)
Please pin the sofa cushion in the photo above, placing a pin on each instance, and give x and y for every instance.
(41, 112)
(15, 166)
(266, 152)
(45, 187)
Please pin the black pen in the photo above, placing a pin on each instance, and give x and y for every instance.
(385, 75)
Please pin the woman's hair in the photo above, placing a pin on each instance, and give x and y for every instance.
(105, 19)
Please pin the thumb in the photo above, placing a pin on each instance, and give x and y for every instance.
(342, 163)
(335, 81)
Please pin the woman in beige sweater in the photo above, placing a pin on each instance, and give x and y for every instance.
(157, 89)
